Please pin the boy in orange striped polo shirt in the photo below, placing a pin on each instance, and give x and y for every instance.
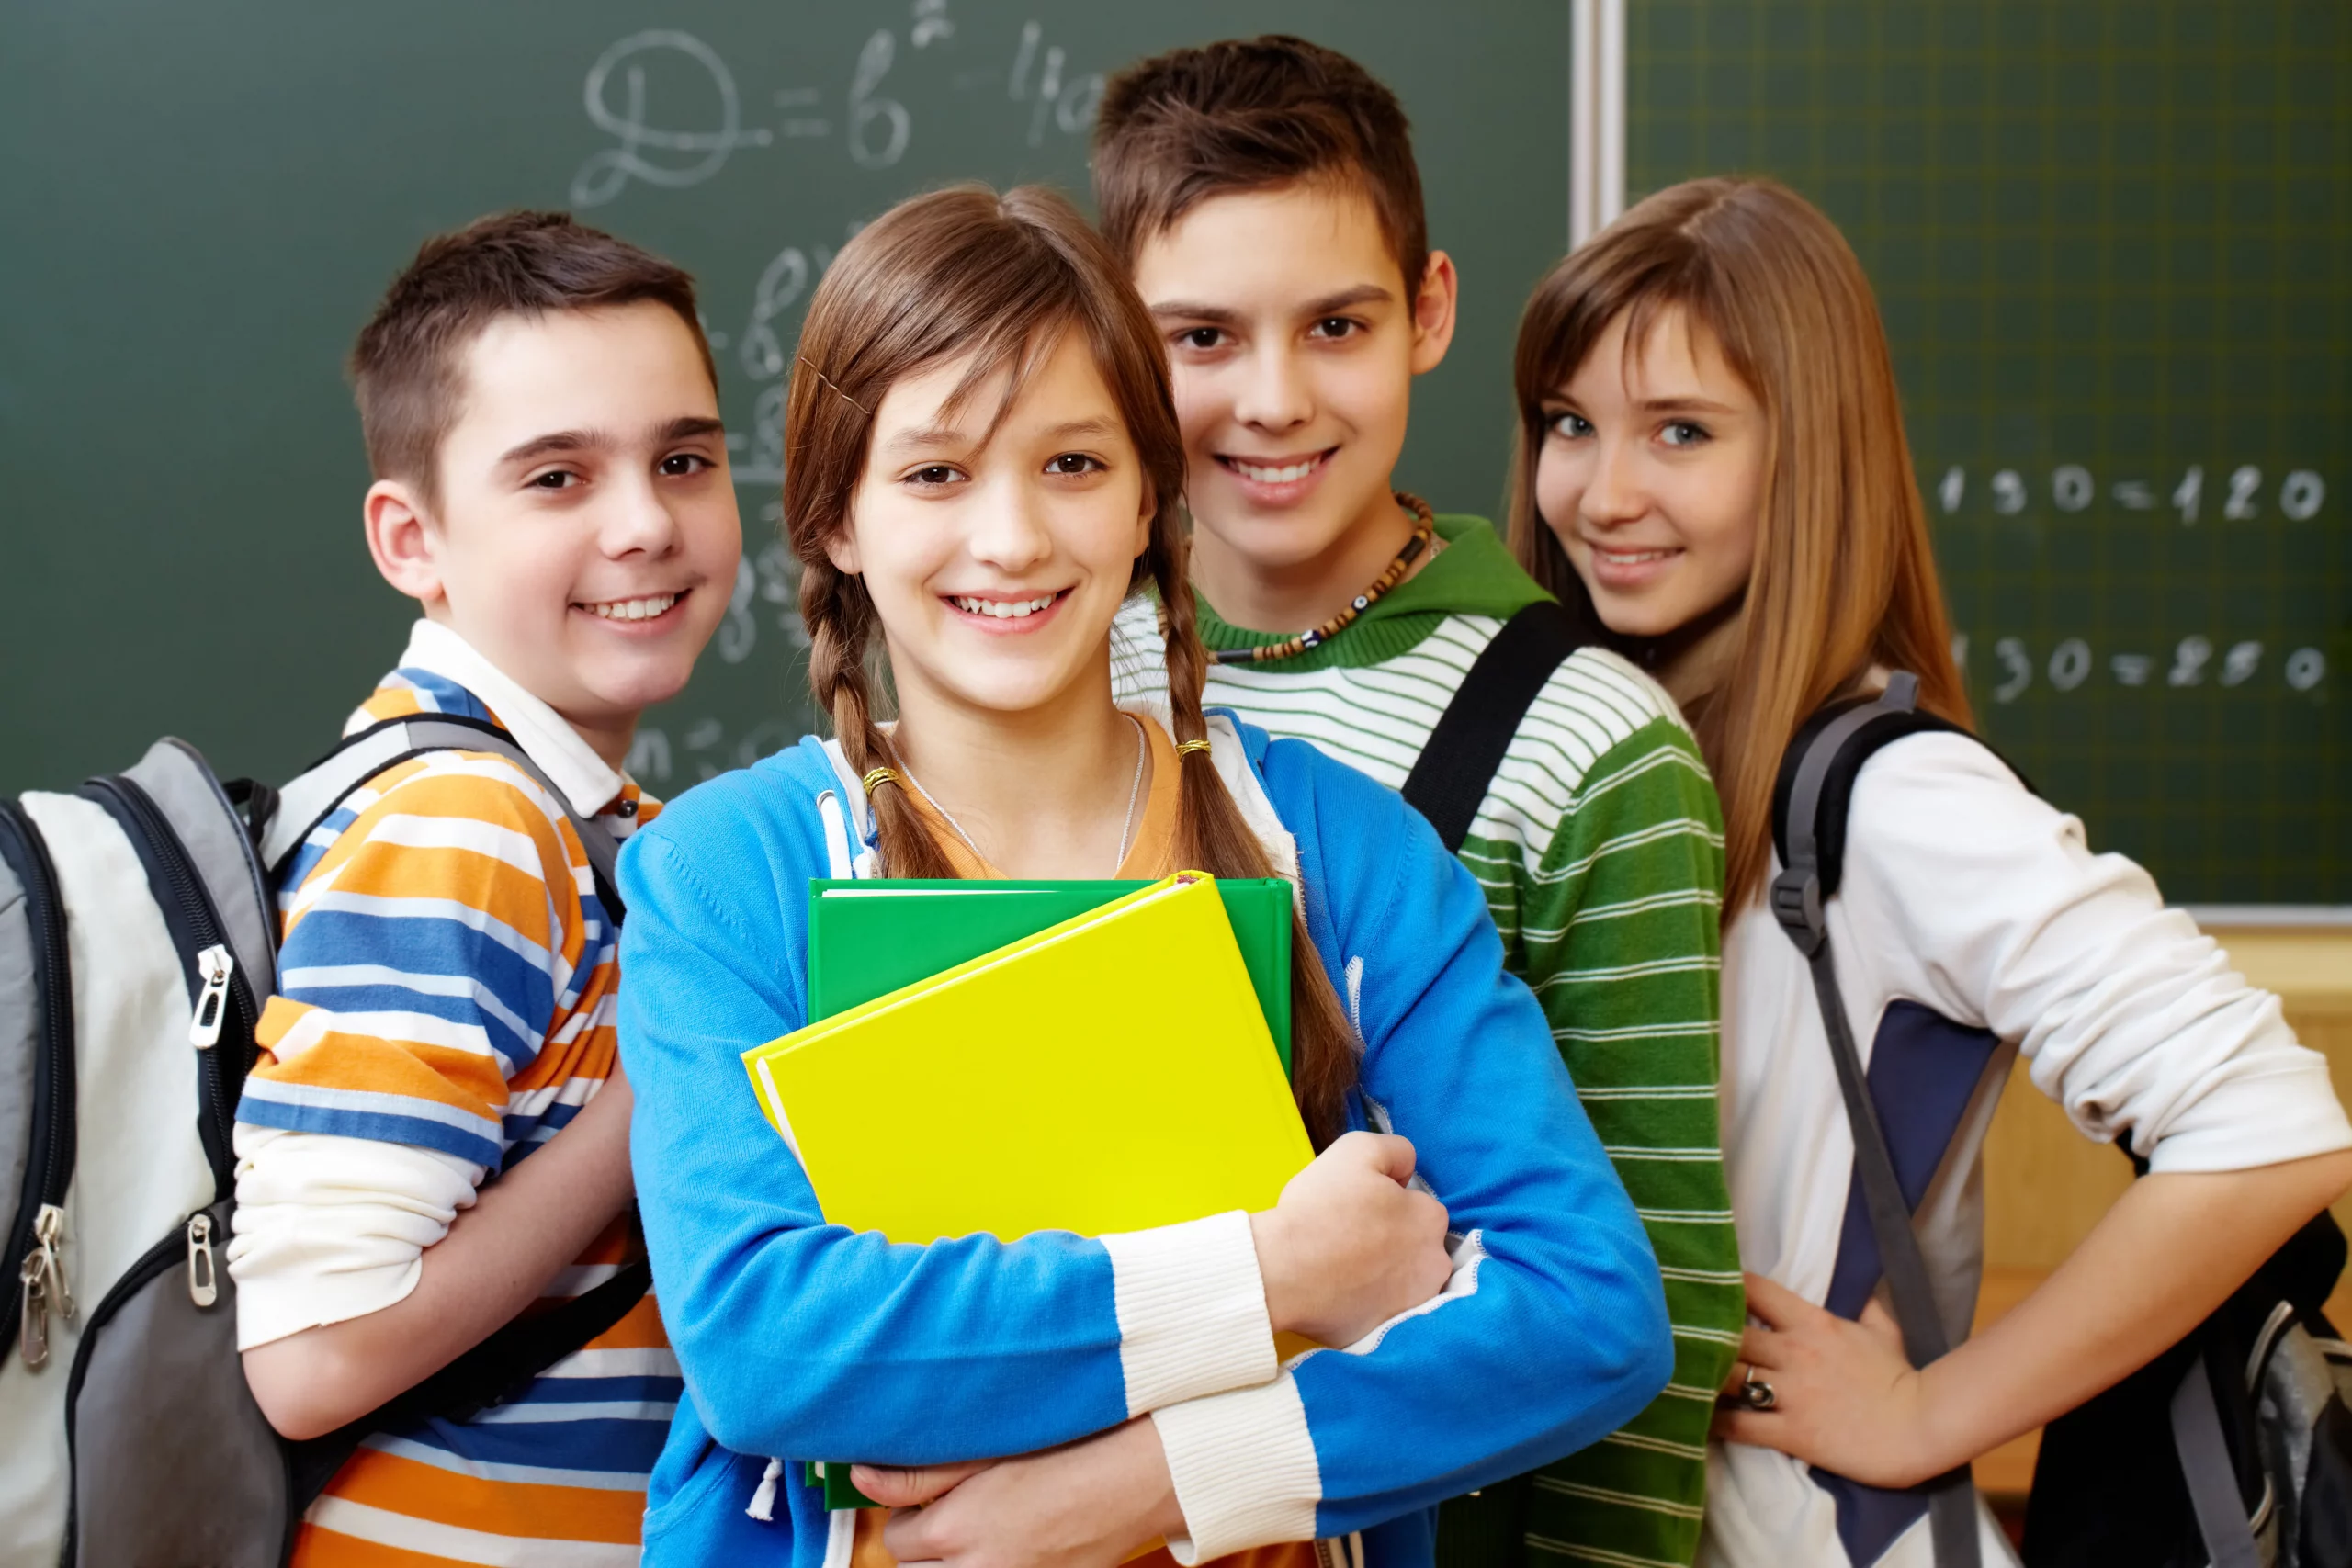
(552, 487)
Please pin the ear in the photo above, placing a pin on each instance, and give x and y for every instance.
(1144, 519)
(405, 543)
(1434, 309)
(841, 549)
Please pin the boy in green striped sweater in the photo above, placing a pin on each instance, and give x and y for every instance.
(1265, 197)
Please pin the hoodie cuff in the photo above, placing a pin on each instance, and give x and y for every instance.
(1244, 1468)
(1192, 1311)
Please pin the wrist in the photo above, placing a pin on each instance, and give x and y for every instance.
(1939, 1422)
(1266, 1235)
(1159, 1516)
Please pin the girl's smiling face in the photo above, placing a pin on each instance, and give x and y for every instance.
(996, 562)
(1652, 476)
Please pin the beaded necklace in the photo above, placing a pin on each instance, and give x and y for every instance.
(1316, 636)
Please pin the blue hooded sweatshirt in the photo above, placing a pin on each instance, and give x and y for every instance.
(804, 1340)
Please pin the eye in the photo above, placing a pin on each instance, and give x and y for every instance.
(934, 475)
(1335, 327)
(1570, 426)
(678, 465)
(554, 480)
(1074, 463)
(1684, 433)
(1201, 339)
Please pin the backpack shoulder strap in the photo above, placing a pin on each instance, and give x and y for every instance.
(1830, 749)
(491, 1373)
(1456, 767)
(313, 796)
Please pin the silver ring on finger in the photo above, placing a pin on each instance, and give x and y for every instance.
(1756, 1394)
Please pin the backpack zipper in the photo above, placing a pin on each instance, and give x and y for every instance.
(150, 1264)
(37, 1239)
(198, 932)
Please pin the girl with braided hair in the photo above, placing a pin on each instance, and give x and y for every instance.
(983, 467)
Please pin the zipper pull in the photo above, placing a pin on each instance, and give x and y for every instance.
(203, 1280)
(215, 965)
(44, 1284)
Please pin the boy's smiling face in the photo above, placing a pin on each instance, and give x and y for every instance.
(1294, 343)
(584, 535)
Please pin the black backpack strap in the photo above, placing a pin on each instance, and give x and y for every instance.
(296, 811)
(1833, 747)
(1456, 767)
(491, 1373)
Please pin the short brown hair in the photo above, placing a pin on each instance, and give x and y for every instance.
(1844, 575)
(997, 281)
(405, 366)
(1251, 114)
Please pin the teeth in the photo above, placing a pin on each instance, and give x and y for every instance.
(1266, 476)
(1630, 558)
(1003, 609)
(632, 609)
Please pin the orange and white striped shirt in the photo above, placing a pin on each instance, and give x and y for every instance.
(445, 1006)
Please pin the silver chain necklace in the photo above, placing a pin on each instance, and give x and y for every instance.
(1135, 792)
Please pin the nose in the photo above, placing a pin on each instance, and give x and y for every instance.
(1614, 494)
(638, 521)
(1008, 529)
(1274, 394)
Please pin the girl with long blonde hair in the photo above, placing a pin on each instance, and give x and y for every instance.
(984, 465)
(1712, 464)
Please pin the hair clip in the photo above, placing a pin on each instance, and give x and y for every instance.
(828, 380)
(1183, 747)
(877, 777)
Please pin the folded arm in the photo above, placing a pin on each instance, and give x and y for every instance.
(494, 1258)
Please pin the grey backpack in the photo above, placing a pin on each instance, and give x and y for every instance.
(138, 940)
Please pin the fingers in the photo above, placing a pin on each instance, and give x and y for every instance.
(1757, 1349)
(894, 1487)
(1777, 1305)
(1385, 1152)
(1737, 1423)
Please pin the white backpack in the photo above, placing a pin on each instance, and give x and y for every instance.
(138, 941)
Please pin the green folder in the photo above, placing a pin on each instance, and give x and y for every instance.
(867, 938)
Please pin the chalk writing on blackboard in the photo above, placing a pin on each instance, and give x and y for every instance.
(2299, 496)
(2190, 662)
(675, 114)
(682, 157)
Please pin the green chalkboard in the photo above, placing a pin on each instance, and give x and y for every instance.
(205, 202)
(2113, 240)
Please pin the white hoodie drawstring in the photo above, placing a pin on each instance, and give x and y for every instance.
(762, 1506)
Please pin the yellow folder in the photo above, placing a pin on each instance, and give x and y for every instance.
(1112, 1073)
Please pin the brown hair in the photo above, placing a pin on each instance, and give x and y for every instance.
(405, 366)
(1250, 114)
(1844, 576)
(965, 272)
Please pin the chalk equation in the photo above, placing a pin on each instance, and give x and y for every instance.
(2234, 495)
(2194, 660)
(675, 114)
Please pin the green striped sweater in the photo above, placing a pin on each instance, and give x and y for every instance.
(1600, 846)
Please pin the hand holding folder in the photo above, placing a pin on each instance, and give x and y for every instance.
(1111, 1073)
(1115, 1071)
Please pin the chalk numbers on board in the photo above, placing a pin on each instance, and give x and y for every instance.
(676, 113)
(2234, 495)
(2194, 660)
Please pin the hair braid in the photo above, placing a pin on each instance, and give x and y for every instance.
(840, 619)
(1213, 836)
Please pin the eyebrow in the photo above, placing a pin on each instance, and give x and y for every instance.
(1680, 404)
(1221, 315)
(931, 435)
(686, 427)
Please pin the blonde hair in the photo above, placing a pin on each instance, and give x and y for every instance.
(965, 272)
(1844, 576)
